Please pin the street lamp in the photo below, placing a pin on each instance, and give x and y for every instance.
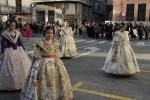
(122, 14)
(31, 7)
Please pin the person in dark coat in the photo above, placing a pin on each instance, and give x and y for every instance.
(106, 30)
(131, 31)
(92, 30)
(1, 28)
(102, 29)
(96, 30)
(116, 27)
(140, 31)
(75, 28)
(147, 31)
(128, 27)
(110, 30)
(88, 29)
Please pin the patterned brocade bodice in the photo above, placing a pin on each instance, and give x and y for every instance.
(47, 49)
(122, 37)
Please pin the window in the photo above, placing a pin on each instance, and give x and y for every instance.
(130, 12)
(66, 5)
(88, 11)
(83, 10)
(103, 8)
(141, 12)
(18, 5)
(40, 13)
(41, 16)
(99, 7)
(96, 6)
(51, 16)
(109, 12)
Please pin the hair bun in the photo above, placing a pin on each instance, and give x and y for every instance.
(48, 27)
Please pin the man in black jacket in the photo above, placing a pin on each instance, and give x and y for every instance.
(102, 29)
(106, 30)
(110, 31)
(75, 28)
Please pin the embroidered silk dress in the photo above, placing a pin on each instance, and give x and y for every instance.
(48, 78)
(16, 62)
(68, 43)
(125, 62)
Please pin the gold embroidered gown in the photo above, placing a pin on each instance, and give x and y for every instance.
(125, 62)
(68, 43)
(48, 79)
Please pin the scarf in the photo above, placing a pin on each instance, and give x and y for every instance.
(12, 39)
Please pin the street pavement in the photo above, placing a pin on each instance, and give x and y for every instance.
(90, 82)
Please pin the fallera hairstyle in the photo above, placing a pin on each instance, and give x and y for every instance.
(49, 27)
(122, 24)
(12, 21)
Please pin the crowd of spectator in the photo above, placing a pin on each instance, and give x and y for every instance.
(93, 30)
(108, 30)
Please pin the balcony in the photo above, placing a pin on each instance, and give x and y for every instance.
(88, 2)
(14, 10)
(53, 0)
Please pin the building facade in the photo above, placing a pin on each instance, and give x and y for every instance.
(99, 9)
(20, 8)
(62, 10)
(128, 10)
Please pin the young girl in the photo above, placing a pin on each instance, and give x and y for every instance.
(121, 58)
(68, 43)
(48, 78)
(16, 62)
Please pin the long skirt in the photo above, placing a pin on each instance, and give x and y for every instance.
(47, 80)
(15, 67)
(124, 63)
(68, 46)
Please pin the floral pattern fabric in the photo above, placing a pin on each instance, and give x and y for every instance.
(124, 61)
(68, 43)
(48, 78)
(15, 67)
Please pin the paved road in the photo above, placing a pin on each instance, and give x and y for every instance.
(90, 82)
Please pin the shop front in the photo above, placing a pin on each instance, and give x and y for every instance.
(71, 19)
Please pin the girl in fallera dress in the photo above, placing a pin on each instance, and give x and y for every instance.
(16, 62)
(121, 59)
(48, 78)
(68, 43)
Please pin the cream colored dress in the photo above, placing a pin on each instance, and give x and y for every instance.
(48, 78)
(68, 43)
(16, 62)
(125, 62)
